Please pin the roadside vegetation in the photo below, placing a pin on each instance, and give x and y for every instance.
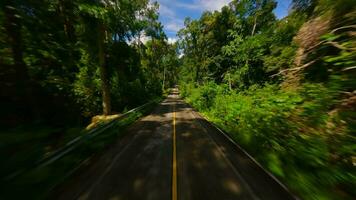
(284, 89)
(65, 64)
(42, 179)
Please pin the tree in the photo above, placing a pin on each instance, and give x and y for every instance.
(76, 57)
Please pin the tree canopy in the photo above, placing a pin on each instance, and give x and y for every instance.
(80, 58)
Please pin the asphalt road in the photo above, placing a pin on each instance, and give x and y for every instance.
(173, 153)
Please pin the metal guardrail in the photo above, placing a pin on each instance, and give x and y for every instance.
(73, 144)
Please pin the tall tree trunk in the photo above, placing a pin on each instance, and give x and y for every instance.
(197, 73)
(254, 26)
(197, 67)
(23, 84)
(258, 7)
(103, 72)
(230, 86)
(13, 29)
(164, 78)
(65, 9)
(67, 25)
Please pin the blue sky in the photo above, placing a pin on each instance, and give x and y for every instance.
(173, 12)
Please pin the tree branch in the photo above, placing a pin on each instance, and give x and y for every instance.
(348, 68)
(339, 46)
(296, 68)
(343, 27)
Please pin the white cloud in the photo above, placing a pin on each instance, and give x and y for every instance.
(166, 9)
(141, 38)
(167, 12)
(144, 38)
(173, 21)
(181, 55)
(167, 6)
(172, 40)
(190, 6)
(212, 5)
(209, 5)
(174, 25)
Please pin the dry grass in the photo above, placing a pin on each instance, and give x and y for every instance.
(99, 119)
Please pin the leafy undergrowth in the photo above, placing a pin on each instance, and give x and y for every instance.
(21, 147)
(300, 136)
(38, 182)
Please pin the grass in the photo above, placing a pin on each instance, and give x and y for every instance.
(293, 134)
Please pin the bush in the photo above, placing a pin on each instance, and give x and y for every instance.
(291, 133)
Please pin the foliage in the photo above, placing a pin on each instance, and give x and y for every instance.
(73, 57)
(39, 182)
(291, 127)
(63, 62)
(283, 89)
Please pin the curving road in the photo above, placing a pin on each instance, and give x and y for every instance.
(174, 153)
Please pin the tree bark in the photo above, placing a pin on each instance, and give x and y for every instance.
(23, 84)
(230, 87)
(197, 73)
(258, 6)
(197, 67)
(13, 29)
(103, 72)
(164, 78)
(67, 25)
(254, 26)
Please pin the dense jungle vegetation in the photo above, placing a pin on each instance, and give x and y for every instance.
(64, 61)
(283, 89)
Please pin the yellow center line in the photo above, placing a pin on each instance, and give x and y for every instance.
(174, 164)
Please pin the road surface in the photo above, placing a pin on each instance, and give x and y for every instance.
(173, 153)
